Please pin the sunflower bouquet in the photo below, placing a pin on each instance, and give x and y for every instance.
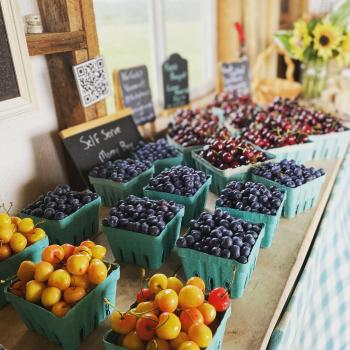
(315, 42)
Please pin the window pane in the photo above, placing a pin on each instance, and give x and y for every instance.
(184, 35)
(123, 34)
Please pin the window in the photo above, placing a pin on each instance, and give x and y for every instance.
(134, 32)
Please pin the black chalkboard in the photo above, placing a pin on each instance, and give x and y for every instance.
(136, 93)
(235, 77)
(99, 140)
(175, 81)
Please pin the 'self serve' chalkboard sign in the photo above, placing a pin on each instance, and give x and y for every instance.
(136, 93)
(175, 82)
(101, 139)
(235, 76)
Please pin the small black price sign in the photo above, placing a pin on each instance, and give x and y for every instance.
(236, 77)
(175, 82)
(136, 93)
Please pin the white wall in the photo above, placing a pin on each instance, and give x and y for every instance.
(31, 154)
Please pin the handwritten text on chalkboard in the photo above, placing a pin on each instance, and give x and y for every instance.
(137, 93)
(175, 81)
(236, 77)
(108, 141)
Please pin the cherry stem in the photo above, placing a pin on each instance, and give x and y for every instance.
(177, 270)
(39, 223)
(163, 323)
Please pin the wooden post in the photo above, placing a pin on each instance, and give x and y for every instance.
(70, 16)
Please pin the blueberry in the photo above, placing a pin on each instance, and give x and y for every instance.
(225, 253)
(49, 213)
(245, 250)
(237, 241)
(181, 242)
(190, 239)
(154, 231)
(226, 242)
(235, 251)
(216, 251)
(59, 215)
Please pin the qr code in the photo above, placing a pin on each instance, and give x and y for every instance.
(92, 82)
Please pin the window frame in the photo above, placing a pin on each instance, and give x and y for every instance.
(156, 11)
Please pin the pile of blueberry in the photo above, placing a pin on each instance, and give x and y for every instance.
(180, 180)
(251, 196)
(153, 151)
(121, 170)
(142, 215)
(59, 203)
(288, 173)
(220, 234)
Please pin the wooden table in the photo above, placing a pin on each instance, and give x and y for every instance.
(254, 315)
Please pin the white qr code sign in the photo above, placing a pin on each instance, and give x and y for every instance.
(92, 82)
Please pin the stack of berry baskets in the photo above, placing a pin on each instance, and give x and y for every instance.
(67, 216)
(143, 231)
(115, 180)
(182, 185)
(254, 202)
(162, 154)
(222, 250)
(301, 184)
(228, 160)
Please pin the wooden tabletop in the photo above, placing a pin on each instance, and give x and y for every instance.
(254, 316)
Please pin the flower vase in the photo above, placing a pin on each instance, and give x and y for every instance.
(314, 78)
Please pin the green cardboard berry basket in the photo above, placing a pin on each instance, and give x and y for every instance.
(79, 322)
(162, 164)
(9, 267)
(333, 145)
(194, 205)
(301, 152)
(298, 199)
(142, 249)
(186, 151)
(74, 228)
(270, 221)
(111, 191)
(110, 338)
(220, 178)
(220, 272)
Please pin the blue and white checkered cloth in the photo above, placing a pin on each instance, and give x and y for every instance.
(318, 314)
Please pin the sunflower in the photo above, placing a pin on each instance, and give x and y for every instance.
(299, 40)
(326, 39)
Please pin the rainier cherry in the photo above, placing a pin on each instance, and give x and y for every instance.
(200, 334)
(190, 316)
(122, 322)
(190, 297)
(169, 326)
(166, 300)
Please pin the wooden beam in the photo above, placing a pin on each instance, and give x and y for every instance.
(49, 43)
(70, 16)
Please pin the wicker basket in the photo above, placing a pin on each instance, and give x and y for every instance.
(267, 89)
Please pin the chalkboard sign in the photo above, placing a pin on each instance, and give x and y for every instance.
(101, 139)
(136, 93)
(175, 81)
(235, 77)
